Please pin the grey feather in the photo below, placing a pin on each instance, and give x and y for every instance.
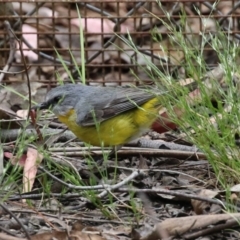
(94, 103)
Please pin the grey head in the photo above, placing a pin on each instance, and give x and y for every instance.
(106, 102)
(62, 98)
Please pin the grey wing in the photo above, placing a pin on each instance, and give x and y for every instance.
(122, 100)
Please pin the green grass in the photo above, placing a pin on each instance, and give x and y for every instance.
(216, 141)
(218, 103)
(67, 174)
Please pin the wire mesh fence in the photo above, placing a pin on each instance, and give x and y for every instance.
(50, 30)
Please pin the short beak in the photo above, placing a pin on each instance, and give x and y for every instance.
(41, 106)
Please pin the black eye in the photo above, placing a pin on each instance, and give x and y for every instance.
(56, 99)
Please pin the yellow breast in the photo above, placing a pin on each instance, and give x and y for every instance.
(117, 130)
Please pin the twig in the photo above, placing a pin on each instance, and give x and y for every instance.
(17, 220)
(1, 159)
(173, 193)
(19, 22)
(160, 144)
(3, 229)
(26, 70)
(12, 49)
(114, 37)
(146, 152)
(96, 187)
(13, 134)
(7, 237)
(212, 230)
(69, 196)
(123, 182)
(176, 172)
(36, 126)
(14, 73)
(83, 219)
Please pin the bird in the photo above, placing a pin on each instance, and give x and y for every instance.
(103, 116)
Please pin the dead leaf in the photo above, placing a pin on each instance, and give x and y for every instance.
(235, 188)
(8, 237)
(179, 226)
(22, 113)
(6, 113)
(30, 34)
(99, 25)
(30, 168)
(203, 207)
(22, 97)
(6, 10)
(73, 235)
(16, 160)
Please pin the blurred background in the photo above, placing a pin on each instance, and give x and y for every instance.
(50, 29)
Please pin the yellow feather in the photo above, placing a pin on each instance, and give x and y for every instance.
(117, 130)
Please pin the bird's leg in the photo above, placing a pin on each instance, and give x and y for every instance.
(113, 153)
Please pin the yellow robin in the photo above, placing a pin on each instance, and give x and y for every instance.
(103, 116)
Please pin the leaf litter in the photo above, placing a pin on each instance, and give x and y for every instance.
(165, 191)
